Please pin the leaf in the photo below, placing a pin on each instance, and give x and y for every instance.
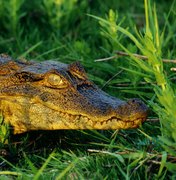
(163, 162)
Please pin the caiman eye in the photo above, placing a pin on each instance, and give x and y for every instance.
(55, 80)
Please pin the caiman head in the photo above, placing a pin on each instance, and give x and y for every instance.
(51, 95)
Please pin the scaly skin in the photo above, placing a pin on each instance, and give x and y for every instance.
(52, 95)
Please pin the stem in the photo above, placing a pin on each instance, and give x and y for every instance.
(121, 53)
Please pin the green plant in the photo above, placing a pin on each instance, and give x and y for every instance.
(4, 131)
(57, 9)
(111, 30)
(13, 15)
(73, 36)
(150, 45)
(1, 9)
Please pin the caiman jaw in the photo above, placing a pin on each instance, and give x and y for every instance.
(137, 113)
(84, 122)
(53, 119)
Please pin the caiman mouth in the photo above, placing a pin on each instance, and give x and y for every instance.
(118, 119)
(75, 121)
(129, 115)
(45, 116)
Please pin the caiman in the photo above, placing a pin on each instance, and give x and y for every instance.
(51, 95)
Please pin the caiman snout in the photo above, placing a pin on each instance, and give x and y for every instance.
(108, 112)
(132, 107)
(104, 108)
(131, 114)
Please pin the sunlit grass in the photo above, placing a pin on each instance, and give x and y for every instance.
(4, 132)
(150, 45)
(61, 30)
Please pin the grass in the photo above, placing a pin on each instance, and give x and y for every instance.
(44, 30)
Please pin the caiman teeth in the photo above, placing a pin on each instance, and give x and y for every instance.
(113, 121)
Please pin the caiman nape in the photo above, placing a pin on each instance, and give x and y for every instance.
(52, 95)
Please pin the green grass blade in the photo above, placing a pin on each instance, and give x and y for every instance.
(38, 174)
(31, 165)
(163, 162)
(50, 51)
(30, 50)
(68, 168)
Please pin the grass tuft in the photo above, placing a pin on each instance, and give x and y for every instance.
(4, 132)
(150, 45)
(61, 30)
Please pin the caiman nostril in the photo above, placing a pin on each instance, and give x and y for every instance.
(135, 101)
(133, 106)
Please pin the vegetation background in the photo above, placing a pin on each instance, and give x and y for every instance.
(86, 30)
